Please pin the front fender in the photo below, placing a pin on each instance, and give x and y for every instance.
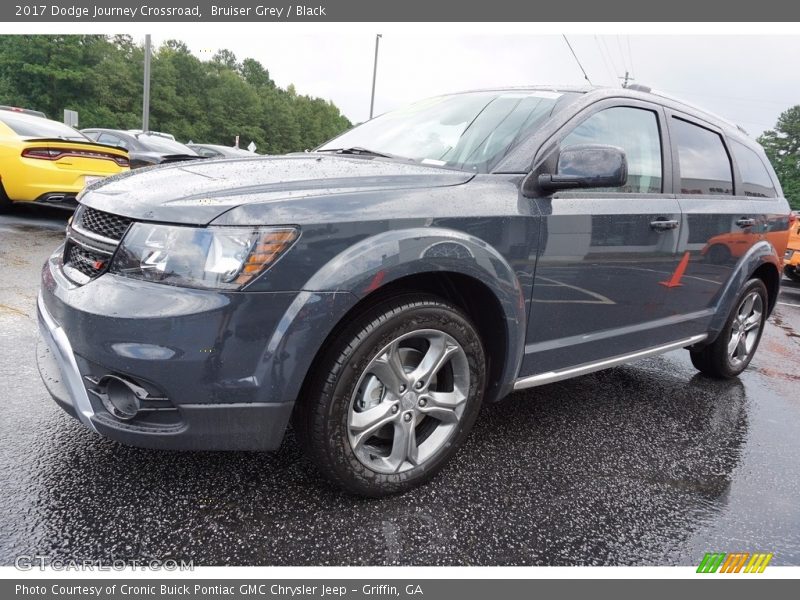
(378, 260)
(760, 253)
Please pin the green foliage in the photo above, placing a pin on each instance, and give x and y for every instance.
(782, 146)
(203, 101)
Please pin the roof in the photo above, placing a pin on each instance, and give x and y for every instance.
(632, 91)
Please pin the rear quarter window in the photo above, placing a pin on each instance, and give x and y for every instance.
(755, 178)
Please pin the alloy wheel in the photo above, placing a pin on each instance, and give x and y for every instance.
(745, 328)
(408, 401)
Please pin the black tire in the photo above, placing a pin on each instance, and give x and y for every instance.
(792, 273)
(715, 359)
(5, 203)
(323, 416)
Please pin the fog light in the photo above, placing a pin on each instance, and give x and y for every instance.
(121, 398)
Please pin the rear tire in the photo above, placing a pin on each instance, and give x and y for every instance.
(394, 397)
(792, 273)
(738, 341)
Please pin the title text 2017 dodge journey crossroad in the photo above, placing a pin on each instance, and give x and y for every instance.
(378, 289)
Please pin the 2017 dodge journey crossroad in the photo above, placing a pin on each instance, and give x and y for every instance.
(377, 290)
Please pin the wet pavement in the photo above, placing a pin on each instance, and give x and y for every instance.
(643, 464)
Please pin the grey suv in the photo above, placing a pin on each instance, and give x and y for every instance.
(380, 288)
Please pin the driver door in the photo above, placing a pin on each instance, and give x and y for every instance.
(607, 253)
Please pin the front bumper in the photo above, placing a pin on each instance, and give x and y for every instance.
(234, 426)
(228, 366)
(59, 370)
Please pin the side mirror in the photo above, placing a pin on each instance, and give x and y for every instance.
(587, 166)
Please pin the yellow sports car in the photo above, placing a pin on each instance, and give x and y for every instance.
(49, 162)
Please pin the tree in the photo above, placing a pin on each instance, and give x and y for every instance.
(205, 101)
(255, 74)
(225, 58)
(782, 146)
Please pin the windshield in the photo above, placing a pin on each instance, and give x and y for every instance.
(156, 143)
(28, 126)
(468, 131)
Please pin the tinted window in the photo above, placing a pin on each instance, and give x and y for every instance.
(36, 127)
(156, 143)
(107, 138)
(207, 152)
(635, 130)
(755, 178)
(704, 163)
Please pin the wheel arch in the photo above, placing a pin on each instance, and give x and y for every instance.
(452, 265)
(470, 295)
(770, 275)
(760, 261)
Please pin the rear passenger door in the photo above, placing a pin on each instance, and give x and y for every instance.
(719, 222)
(759, 183)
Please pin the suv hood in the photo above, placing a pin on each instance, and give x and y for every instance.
(199, 191)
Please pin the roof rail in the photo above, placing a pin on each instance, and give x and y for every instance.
(640, 88)
(688, 104)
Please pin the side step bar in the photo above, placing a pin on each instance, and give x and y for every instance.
(560, 375)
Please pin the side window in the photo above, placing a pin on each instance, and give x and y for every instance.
(635, 130)
(207, 152)
(92, 135)
(755, 178)
(112, 140)
(704, 163)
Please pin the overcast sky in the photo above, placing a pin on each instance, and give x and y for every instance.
(747, 79)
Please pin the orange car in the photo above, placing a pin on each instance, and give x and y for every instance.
(723, 247)
(791, 260)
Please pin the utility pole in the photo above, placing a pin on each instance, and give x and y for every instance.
(374, 75)
(626, 79)
(146, 94)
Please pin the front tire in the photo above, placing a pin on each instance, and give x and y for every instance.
(394, 397)
(738, 341)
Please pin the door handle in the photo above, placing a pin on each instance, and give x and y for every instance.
(661, 225)
(745, 222)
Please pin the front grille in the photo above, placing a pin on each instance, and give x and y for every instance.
(103, 223)
(85, 261)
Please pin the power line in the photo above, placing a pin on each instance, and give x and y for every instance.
(610, 56)
(609, 70)
(585, 76)
(622, 55)
(630, 55)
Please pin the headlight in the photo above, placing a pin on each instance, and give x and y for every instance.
(788, 254)
(212, 257)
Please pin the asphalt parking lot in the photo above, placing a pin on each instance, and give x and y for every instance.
(643, 464)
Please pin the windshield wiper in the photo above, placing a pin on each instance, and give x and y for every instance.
(358, 150)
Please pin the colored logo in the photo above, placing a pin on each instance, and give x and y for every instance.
(735, 562)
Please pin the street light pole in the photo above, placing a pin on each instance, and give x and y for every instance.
(374, 75)
(146, 94)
